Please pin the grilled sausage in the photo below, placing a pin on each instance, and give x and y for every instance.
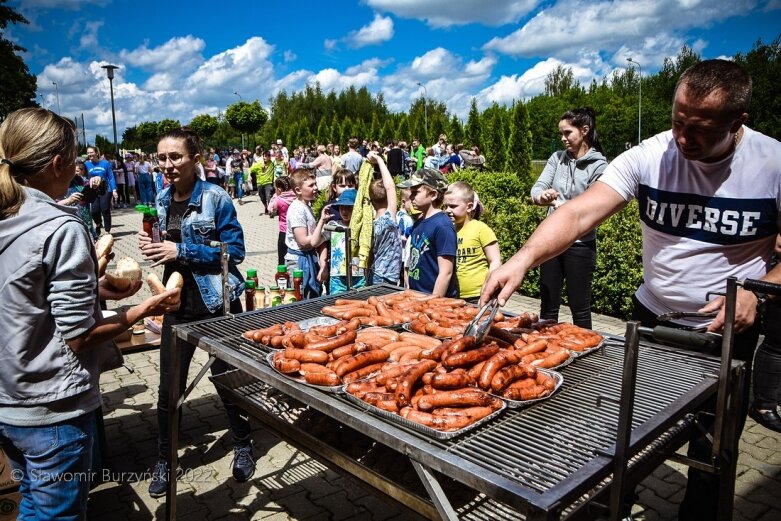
(355, 362)
(494, 364)
(337, 341)
(307, 355)
(363, 372)
(509, 374)
(552, 360)
(458, 398)
(467, 358)
(284, 364)
(448, 381)
(409, 378)
(326, 379)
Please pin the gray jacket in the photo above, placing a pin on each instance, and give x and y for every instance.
(48, 290)
(570, 177)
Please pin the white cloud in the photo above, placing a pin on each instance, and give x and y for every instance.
(329, 44)
(89, 38)
(289, 56)
(446, 13)
(176, 53)
(379, 30)
(571, 25)
(651, 51)
(434, 63)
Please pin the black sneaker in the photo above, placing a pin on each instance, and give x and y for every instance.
(159, 484)
(243, 463)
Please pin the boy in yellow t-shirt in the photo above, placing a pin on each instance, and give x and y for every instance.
(478, 250)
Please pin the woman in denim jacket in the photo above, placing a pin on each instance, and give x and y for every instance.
(193, 214)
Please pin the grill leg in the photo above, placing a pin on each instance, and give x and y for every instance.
(435, 491)
(626, 409)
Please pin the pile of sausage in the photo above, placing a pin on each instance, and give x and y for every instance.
(347, 357)
(279, 336)
(555, 337)
(406, 306)
(452, 384)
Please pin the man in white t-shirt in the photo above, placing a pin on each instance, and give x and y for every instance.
(709, 193)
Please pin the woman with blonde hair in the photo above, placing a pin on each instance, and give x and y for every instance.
(323, 166)
(54, 336)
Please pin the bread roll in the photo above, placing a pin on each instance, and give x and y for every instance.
(154, 284)
(129, 269)
(175, 281)
(104, 245)
(121, 283)
(102, 263)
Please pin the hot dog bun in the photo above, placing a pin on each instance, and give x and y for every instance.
(155, 285)
(174, 281)
(104, 245)
(102, 264)
(120, 283)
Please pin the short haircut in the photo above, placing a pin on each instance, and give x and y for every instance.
(300, 176)
(353, 142)
(467, 194)
(190, 137)
(377, 193)
(711, 76)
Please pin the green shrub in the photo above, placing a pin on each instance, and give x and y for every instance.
(512, 217)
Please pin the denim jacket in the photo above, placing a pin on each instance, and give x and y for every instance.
(209, 217)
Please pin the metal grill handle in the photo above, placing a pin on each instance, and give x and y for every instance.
(761, 286)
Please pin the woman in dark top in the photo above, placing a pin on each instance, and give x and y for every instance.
(193, 214)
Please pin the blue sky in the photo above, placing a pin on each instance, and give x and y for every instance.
(180, 59)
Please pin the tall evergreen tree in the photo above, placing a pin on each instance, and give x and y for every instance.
(323, 132)
(374, 129)
(402, 132)
(336, 129)
(519, 156)
(388, 131)
(455, 134)
(493, 138)
(474, 131)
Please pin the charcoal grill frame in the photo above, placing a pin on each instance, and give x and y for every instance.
(444, 457)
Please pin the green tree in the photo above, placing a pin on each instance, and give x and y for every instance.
(493, 137)
(205, 125)
(474, 131)
(104, 145)
(167, 125)
(560, 81)
(147, 133)
(763, 62)
(455, 134)
(388, 131)
(246, 117)
(374, 129)
(336, 129)
(402, 131)
(323, 135)
(18, 86)
(519, 156)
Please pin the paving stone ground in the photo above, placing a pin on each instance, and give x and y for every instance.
(288, 484)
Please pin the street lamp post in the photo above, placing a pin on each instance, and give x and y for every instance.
(242, 134)
(57, 91)
(639, 99)
(425, 107)
(43, 101)
(110, 74)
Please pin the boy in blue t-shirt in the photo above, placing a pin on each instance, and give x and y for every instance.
(433, 239)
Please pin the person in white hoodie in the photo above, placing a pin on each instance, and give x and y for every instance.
(568, 173)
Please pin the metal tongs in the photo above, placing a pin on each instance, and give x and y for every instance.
(674, 315)
(480, 325)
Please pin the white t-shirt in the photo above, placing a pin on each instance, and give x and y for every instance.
(701, 222)
(299, 215)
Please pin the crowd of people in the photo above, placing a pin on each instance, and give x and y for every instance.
(391, 217)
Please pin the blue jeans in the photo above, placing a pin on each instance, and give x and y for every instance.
(55, 466)
(238, 178)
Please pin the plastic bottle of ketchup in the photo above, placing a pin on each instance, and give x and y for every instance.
(298, 280)
(249, 295)
(281, 278)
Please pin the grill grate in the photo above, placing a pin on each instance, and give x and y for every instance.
(539, 448)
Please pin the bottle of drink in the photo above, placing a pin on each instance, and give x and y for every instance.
(252, 274)
(298, 280)
(249, 292)
(281, 278)
(155, 225)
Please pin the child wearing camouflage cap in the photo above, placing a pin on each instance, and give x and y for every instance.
(433, 240)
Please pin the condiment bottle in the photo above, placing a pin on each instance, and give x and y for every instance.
(155, 225)
(249, 292)
(147, 218)
(281, 278)
(289, 298)
(252, 274)
(276, 300)
(298, 280)
(260, 298)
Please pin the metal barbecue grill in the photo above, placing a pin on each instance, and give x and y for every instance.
(552, 460)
